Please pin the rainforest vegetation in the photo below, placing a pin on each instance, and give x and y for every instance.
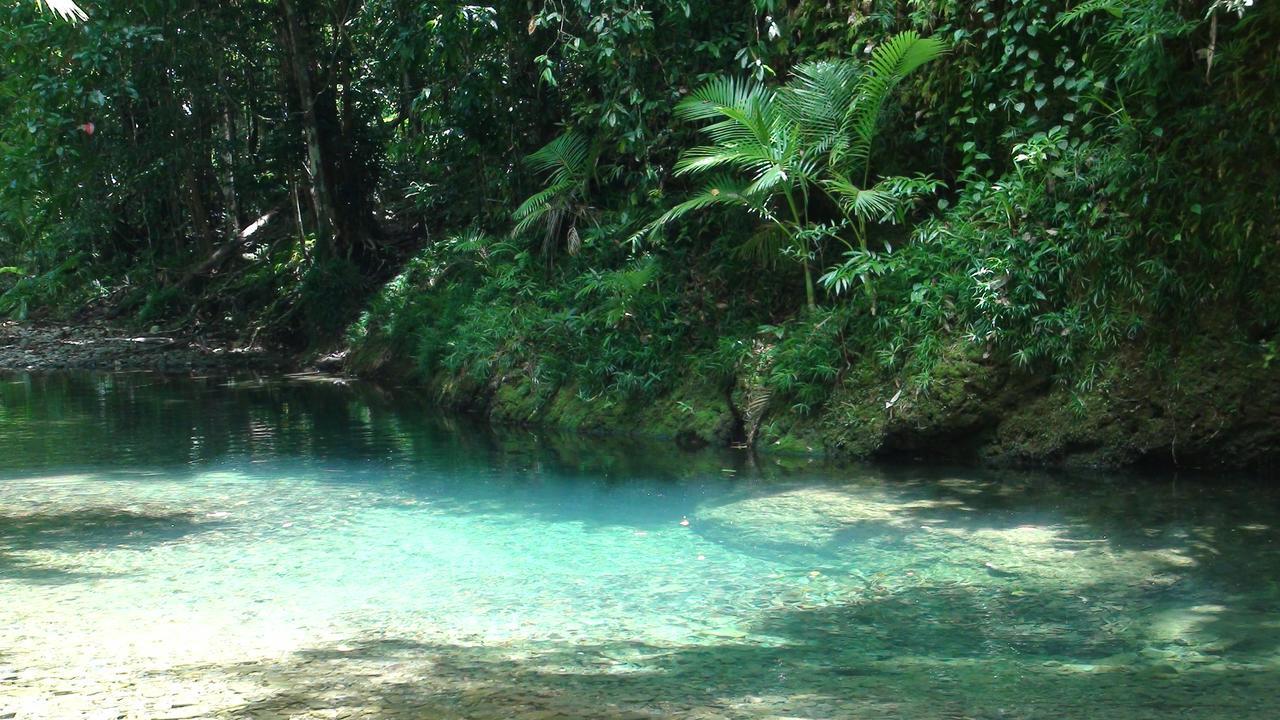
(776, 220)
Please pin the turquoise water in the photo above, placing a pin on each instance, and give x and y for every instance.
(191, 548)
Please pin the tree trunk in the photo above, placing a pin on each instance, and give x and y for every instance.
(319, 165)
(195, 206)
(341, 177)
(230, 198)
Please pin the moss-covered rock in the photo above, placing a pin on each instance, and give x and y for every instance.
(697, 413)
(1209, 404)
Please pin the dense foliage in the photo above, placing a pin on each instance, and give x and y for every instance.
(505, 190)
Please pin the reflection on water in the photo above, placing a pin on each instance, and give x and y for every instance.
(298, 548)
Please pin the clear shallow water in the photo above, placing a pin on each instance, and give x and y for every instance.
(249, 549)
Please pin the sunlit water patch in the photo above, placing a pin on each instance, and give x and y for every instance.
(204, 548)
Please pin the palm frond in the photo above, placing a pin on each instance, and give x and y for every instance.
(765, 245)
(708, 157)
(711, 99)
(1087, 8)
(746, 116)
(541, 198)
(533, 214)
(755, 122)
(731, 133)
(817, 99)
(890, 63)
(569, 161)
(874, 204)
(567, 157)
(554, 218)
(66, 9)
(720, 190)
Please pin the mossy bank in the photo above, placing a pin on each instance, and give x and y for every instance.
(1208, 403)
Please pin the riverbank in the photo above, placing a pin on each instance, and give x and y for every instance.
(99, 346)
(1206, 405)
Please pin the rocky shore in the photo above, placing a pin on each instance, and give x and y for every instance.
(97, 346)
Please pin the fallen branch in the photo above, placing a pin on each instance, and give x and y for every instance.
(227, 250)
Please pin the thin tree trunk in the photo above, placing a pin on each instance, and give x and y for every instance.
(302, 64)
(195, 206)
(810, 299)
(302, 228)
(230, 198)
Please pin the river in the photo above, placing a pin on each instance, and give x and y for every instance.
(301, 547)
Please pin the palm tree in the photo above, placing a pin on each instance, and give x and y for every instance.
(569, 161)
(753, 136)
(841, 106)
(771, 147)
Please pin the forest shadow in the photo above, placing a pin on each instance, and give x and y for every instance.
(911, 656)
(1124, 512)
(15, 567)
(82, 530)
